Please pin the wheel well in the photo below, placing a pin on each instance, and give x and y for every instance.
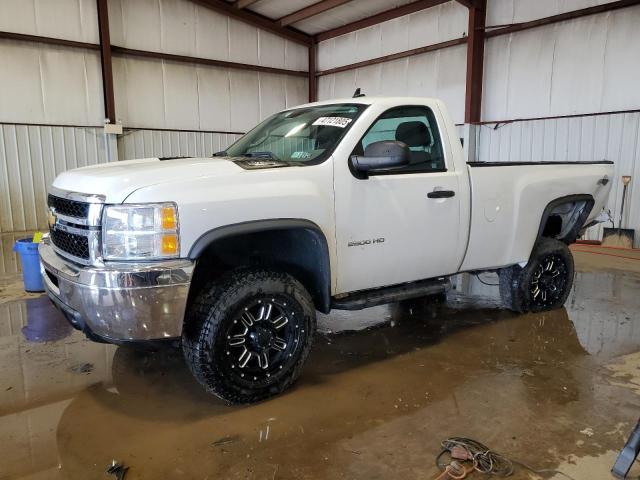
(301, 251)
(564, 218)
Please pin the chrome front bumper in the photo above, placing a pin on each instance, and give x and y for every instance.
(119, 302)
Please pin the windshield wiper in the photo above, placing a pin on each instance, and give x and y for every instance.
(265, 154)
(222, 153)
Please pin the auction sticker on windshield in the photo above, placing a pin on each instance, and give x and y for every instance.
(333, 121)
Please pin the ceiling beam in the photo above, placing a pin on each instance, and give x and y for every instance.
(256, 20)
(378, 18)
(310, 11)
(244, 3)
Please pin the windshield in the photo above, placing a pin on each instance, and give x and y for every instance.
(305, 135)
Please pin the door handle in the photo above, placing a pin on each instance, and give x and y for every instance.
(441, 194)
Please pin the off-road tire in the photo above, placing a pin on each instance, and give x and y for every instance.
(518, 284)
(220, 307)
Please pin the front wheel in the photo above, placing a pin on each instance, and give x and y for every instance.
(248, 335)
(545, 281)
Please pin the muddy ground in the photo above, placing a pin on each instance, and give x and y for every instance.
(382, 388)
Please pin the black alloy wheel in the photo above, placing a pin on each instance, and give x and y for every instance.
(548, 281)
(261, 339)
(543, 283)
(248, 334)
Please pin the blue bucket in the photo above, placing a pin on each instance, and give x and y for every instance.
(28, 251)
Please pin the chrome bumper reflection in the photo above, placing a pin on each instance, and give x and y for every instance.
(119, 301)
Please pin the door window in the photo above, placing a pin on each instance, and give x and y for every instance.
(415, 126)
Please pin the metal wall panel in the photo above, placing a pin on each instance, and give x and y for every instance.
(613, 137)
(49, 84)
(154, 93)
(585, 65)
(505, 12)
(31, 157)
(439, 74)
(66, 19)
(183, 28)
(433, 25)
(153, 143)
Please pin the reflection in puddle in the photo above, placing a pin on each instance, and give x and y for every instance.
(372, 403)
(43, 324)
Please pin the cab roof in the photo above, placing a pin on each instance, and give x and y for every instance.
(366, 100)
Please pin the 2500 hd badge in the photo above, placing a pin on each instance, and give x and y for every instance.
(359, 243)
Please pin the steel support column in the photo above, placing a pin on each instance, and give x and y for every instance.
(313, 79)
(105, 59)
(475, 62)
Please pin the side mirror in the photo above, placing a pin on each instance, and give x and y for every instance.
(381, 156)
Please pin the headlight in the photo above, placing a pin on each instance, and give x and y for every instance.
(140, 232)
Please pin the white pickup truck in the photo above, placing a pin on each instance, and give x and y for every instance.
(342, 204)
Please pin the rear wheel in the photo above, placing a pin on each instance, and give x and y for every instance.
(545, 281)
(248, 335)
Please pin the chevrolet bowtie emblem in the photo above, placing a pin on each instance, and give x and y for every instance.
(52, 218)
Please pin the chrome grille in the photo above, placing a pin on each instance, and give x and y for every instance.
(73, 244)
(74, 225)
(69, 208)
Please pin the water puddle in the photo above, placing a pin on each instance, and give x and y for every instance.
(382, 388)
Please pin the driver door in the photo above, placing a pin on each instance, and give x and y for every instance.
(392, 227)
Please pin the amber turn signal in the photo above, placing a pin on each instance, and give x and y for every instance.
(169, 244)
(169, 221)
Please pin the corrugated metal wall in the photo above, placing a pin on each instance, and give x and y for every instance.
(49, 84)
(582, 66)
(586, 65)
(436, 74)
(67, 19)
(433, 25)
(31, 157)
(604, 137)
(162, 94)
(439, 74)
(53, 85)
(182, 27)
(506, 12)
(153, 143)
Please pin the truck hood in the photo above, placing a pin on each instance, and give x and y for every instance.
(117, 180)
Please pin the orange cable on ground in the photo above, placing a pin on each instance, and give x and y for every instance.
(455, 471)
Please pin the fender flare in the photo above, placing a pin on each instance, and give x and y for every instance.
(572, 234)
(257, 226)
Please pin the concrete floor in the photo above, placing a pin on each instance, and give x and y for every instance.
(382, 389)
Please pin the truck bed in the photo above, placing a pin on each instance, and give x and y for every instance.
(512, 164)
(509, 199)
